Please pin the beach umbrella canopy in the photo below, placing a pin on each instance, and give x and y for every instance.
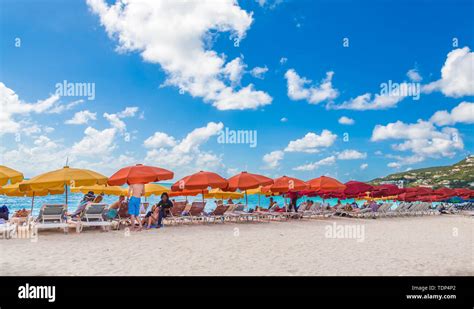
(100, 189)
(200, 180)
(245, 181)
(14, 190)
(155, 189)
(9, 175)
(63, 177)
(139, 174)
(187, 193)
(326, 184)
(286, 184)
(355, 188)
(386, 190)
(219, 194)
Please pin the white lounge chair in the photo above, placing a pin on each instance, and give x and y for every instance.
(92, 216)
(52, 216)
(7, 230)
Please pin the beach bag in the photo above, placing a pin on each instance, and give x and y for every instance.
(4, 212)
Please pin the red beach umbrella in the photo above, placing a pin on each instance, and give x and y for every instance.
(386, 190)
(355, 188)
(326, 184)
(139, 174)
(285, 184)
(245, 181)
(200, 181)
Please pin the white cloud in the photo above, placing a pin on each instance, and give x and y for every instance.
(314, 94)
(457, 78)
(272, 159)
(184, 156)
(116, 120)
(11, 106)
(414, 75)
(312, 166)
(82, 117)
(57, 109)
(351, 154)
(368, 102)
(283, 60)
(423, 139)
(312, 142)
(364, 166)
(259, 72)
(178, 36)
(284, 119)
(159, 140)
(234, 70)
(95, 143)
(346, 120)
(463, 113)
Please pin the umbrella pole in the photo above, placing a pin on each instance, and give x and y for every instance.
(202, 191)
(65, 187)
(32, 203)
(246, 199)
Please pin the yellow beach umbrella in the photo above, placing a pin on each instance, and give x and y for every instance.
(9, 174)
(63, 178)
(14, 190)
(219, 194)
(155, 189)
(100, 189)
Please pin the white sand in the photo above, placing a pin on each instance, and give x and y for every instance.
(392, 246)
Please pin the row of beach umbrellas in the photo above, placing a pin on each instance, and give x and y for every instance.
(207, 184)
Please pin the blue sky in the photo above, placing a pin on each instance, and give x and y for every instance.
(168, 78)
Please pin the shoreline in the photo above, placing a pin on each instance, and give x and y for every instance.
(414, 246)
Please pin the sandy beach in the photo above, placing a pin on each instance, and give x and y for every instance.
(438, 245)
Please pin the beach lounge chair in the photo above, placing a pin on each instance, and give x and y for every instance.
(92, 216)
(176, 212)
(52, 216)
(7, 230)
(196, 212)
(217, 215)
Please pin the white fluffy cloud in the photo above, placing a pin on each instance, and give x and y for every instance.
(259, 72)
(457, 77)
(314, 94)
(178, 36)
(95, 143)
(422, 139)
(346, 120)
(82, 117)
(351, 154)
(11, 106)
(463, 113)
(364, 166)
(312, 142)
(272, 159)
(159, 140)
(184, 156)
(312, 166)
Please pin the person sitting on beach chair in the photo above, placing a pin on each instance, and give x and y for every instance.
(88, 198)
(151, 218)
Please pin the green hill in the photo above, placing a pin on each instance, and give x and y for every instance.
(459, 175)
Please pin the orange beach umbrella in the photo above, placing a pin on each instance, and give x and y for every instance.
(139, 174)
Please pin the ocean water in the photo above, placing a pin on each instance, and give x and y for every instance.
(15, 203)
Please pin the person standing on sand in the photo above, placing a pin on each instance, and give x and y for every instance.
(135, 192)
